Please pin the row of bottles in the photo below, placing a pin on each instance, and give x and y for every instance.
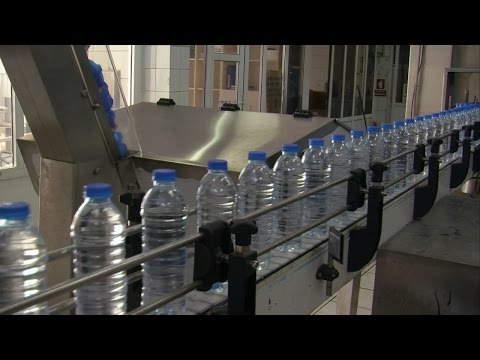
(98, 229)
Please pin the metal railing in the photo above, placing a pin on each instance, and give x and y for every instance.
(136, 260)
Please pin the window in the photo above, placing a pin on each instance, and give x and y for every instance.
(369, 79)
(295, 78)
(402, 73)
(196, 83)
(6, 121)
(351, 80)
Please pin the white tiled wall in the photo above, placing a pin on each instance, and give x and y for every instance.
(166, 70)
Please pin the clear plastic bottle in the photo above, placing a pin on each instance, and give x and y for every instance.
(317, 173)
(23, 258)
(289, 176)
(475, 118)
(389, 149)
(374, 148)
(255, 191)
(441, 130)
(412, 136)
(401, 140)
(98, 233)
(339, 160)
(164, 215)
(216, 199)
(421, 130)
(422, 133)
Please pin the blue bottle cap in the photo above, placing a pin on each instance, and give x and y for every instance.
(399, 123)
(418, 118)
(443, 113)
(290, 148)
(14, 210)
(316, 143)
(409, 121)
(435, 115)
(164, 175)
(373, 129)
(387, 126)
(217, 164)
(427, 117)
(356, 133)
(97, 190)
(338, 137)
(257, 155)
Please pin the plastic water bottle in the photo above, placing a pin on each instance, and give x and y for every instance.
(448, 126)
(216, 199)
(374, 149)
(412, 136)
(443, 128)
(421, 139)
(98, 234)
(164, 216)
(421, 130)
(401, 140)
(359, 157)
(289, 175)
(255, 191)
(429, 126)
(389, 149)
(339, 159)
(23, 258)
(475, 118)
(317, 173)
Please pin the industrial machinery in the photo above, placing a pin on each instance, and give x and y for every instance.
(71, 144)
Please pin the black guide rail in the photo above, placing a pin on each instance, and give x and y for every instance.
(355, 191)
(364, 241)
(355, 200)
(424, 196)
(242, 269)
(476, 150)
(476, 159)
(419, 159)
(215, 245)
(476, 131)
(460, 170)
(327, 272)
